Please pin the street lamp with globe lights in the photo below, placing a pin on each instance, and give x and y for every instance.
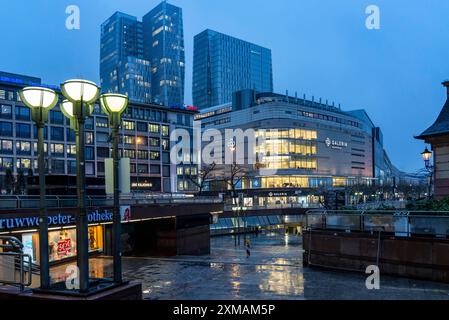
(427, 155)
(81, 95)
(41, 101)
(114, 105)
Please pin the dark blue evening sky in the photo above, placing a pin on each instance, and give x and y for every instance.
(320, 48)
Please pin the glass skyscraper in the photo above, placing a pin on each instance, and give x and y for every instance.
(223, 65)
(163, 37)
(122, 65)
(145, 59)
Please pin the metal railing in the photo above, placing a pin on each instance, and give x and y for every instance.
(401, 223)
(32, 202)
(230, 207)
(373, 205)
(16, 267)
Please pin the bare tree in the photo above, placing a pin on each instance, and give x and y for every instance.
(204, 175)
(233, 175)
(10, 181)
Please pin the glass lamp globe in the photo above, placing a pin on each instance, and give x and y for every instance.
(78, 90)
(67, 109)
(114, 103)
(38, 97)
(426, 155)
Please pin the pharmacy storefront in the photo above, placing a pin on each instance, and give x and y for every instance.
(61, 235)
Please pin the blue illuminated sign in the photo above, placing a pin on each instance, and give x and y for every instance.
(28, 83)
(57, 220)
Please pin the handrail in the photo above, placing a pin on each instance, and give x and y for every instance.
(229, 207)
(398, 212)
(401, 223)
(20, 262)
(11, 243)
(32, 202)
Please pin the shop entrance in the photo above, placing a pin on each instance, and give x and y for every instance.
(302, 201)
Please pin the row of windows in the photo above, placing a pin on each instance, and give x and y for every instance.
(144, 142)
(58, 166)
(144, 127)
(150, 169)
(59, 150)
(301, 134)
(329, 118)
(56, 117)
(287, 162)
(24, 114)
(25, 164)
(23, 130)
(8, 95)
(287, 147)
(57, 134)
(146, 114)
(24, 148)
(301, 182)
(181, 171)
(103, 152)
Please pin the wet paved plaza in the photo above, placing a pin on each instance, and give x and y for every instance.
(274, 271)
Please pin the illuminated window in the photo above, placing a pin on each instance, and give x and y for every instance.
(155, 142)
(6, 147)
(155, 155)
(23, 163)
(154, 128)
(339, 182)
(71, 151)
(165, 131)
(128, 139)
(22, 147)
(129, 125)
(102, 122)
(165, 144)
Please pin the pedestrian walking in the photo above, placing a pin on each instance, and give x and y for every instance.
(248, 248)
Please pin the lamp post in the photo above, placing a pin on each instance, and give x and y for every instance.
(114, 105)
(138, 141)
(426, 155)
(232, 145)
(41, 101)
(81, 95)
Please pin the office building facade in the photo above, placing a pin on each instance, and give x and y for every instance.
(308, 146)
(163, 39)
(223, 65)
(145, 59)
(123, 68)
(145, 139)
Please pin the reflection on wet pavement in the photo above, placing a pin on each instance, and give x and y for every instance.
(274, 271)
